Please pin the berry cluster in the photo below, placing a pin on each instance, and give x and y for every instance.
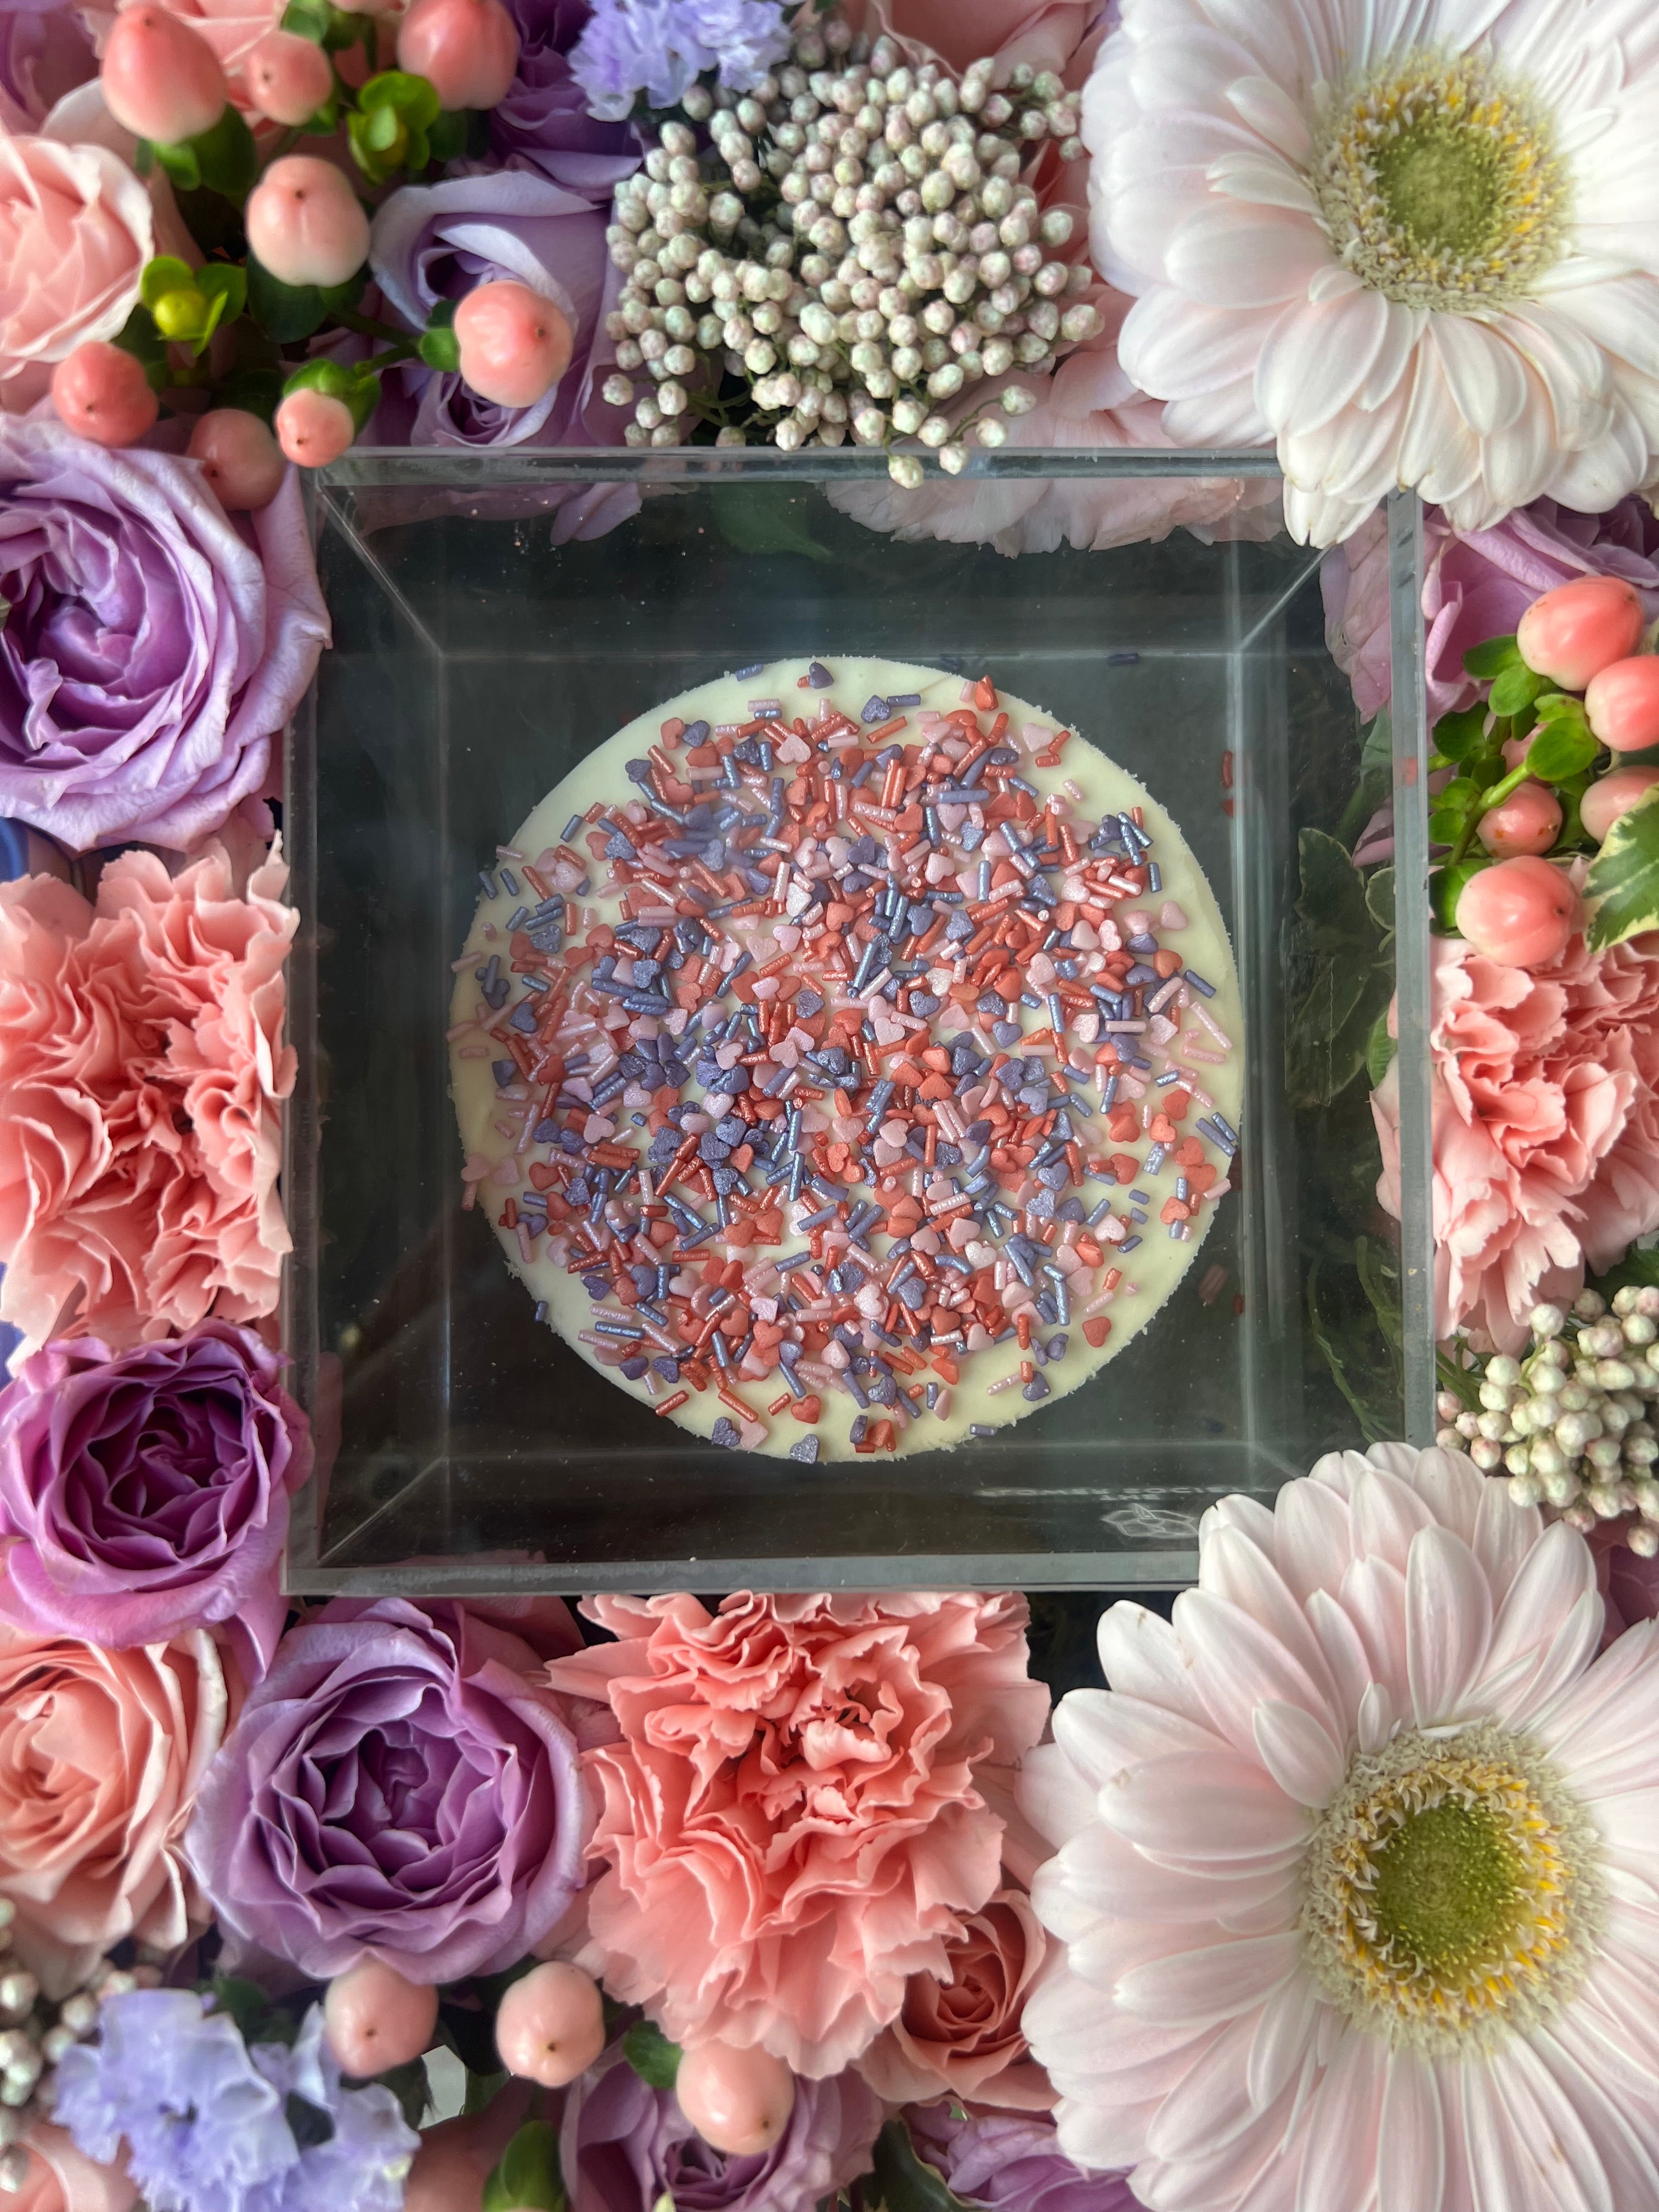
(1571, 1422)
(857, 248)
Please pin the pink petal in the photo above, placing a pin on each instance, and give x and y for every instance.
(1238, 1665)
(1140, 1654)
(1284, 2037)
(1193, 1988)
(1299, 1753)
(1386, 1514)
(1231, 1567)
(1411, 2153)
(1339, 2164)
(1210, 2106)
(1207, 1814)
(1232, 255)
(1311, 1542)
(1448, 1624)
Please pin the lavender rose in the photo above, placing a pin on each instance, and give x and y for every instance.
(544, 119)
(145, 1493)
(151, 649)
(624, 2146)
(434, 242)
(45, 51)
(1010, 2162)
(399, 1787)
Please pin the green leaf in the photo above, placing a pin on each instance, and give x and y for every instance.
(1446, 888)
(1331, 1026)
(257, 2020)
(139, 337)
(1445, 828)
(1554, 705)
(527, 2179)
(1515, 689)
(448, 137)
(651, 2055)
(287, 313)
(1639, 1268)
(164, 274)
(309, 2125)
(1380, 1050)
(1562, 750)
(482, 2090)
(1624, 877)
(1459, 795)
(441, 349)
(411, 97)
(356, 383)
(308, 18)
(1460, 736)
(1486, 661)
(409, 2085)
(227, 157)
(223, 280)
(904, 2182)
(181, 163)
(1379, 899)
(1332, 903)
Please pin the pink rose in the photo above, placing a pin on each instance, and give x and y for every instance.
(77, 227)
(232, 28)
(61, 2179)
(141, 1068)
(1545, 1127)
(791, 1821)
(100, 1756)
(960, 2034)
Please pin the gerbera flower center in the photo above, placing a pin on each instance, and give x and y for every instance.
(1439, 185)
(1452, 1890)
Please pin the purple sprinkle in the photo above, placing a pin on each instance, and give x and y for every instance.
(570, 829)
(876, 709)
(820, 679)
(805, 1451)
(505, 1071)
(1198, 983)
(726, 1435)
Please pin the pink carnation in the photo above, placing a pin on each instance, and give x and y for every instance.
(790, 1817)
(140, 1067)
(1545, 1127)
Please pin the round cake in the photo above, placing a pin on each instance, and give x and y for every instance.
(848, 1056)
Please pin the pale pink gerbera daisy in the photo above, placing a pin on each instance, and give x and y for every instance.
(1358, 1866)
(1414, 241)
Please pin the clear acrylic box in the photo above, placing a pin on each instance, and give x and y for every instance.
(462, 1447)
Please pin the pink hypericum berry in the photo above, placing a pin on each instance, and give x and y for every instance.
(516, 343)
(288, 78)
(1520, 914)
(1623, 704)
(549, 2026)
(101, 394)
(314, 428)
(1610, 796)
(305, 222)
(373, 2019)
(467, 50)
(240, 457)
(1579, 628)
(161, 79)
(1527, 821)
(739, 2101)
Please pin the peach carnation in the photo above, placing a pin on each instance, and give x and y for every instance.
(791, 1818)
(1545, 1127)
(140, 1067)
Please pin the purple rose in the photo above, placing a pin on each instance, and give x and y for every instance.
(145, 1492)
(1477, 585)
(151, 648)
(544, 117)
(1010, 2162)
(45, 51)
(624, 2144)
(400, 1787)
(434, 242)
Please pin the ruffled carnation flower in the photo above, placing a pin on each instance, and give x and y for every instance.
(1412, 246)
(1477, 584)
(1545, 1125)
(102, 1753)
(435, 242)
(1010, 2162)
(790, 1825)
(141, 1063)
(77, 227)
(45, 51)
(543, 119)
(208, 2123)
(150, 649)
(624, 2147)
(1355, 1864)
(658, 49)
(146, 1491)
(961, 2032)
(402, 1786)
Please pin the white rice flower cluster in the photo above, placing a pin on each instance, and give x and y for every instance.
(858, 246)
(1572, 1422)
(34, 2033)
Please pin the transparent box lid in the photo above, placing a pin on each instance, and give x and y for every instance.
(480, 651)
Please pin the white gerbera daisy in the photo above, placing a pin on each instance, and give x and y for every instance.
(1359, 1867)
(1414, 241)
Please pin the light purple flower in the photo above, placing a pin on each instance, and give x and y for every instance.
(434, 242)
(152, 647)
(400, 1787)
(1010, 2162)
(145, 1493)
(544, 119)
(624, 2144)
(364, 2164)
(660, 48)
(1477, 585)
(45, 51)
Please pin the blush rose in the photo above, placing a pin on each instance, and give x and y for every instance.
(77, 227)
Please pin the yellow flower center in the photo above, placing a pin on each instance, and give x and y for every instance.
(1451, 1891)
(1439, 185)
